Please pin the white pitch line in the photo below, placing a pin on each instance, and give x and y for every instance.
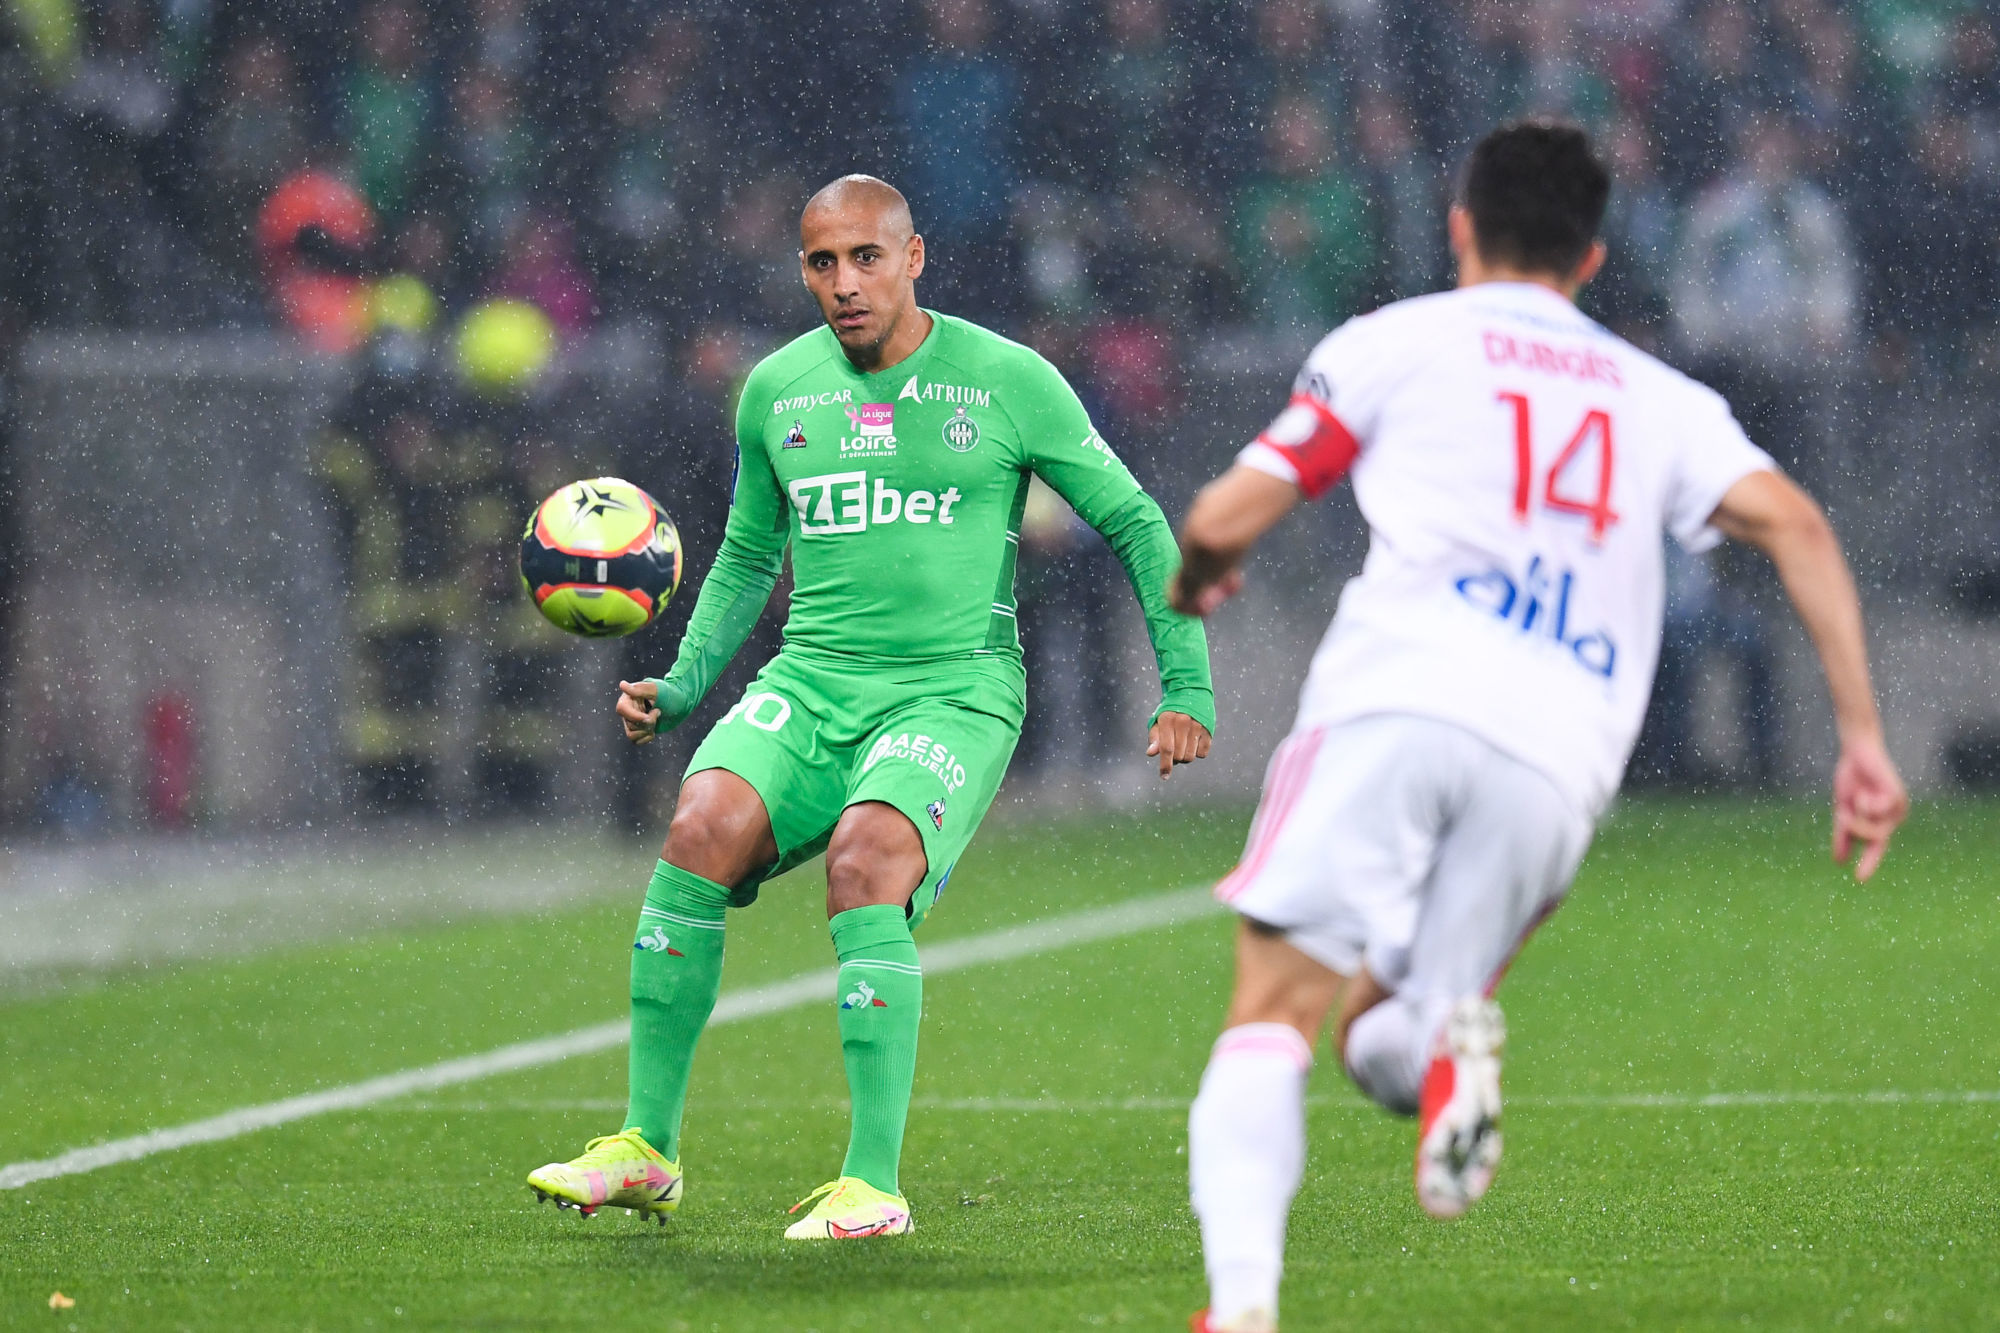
(1102, 923)
(1662, 1101)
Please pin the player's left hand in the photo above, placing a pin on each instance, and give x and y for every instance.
(1177, 739)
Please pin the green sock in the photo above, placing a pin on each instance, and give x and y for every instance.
(881, 991)
(676, 975)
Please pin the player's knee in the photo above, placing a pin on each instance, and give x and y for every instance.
(875, 856)
(711, 837)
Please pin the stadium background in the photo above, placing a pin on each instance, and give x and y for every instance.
(263, 523)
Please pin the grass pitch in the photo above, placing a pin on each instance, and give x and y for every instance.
(1742, 1092)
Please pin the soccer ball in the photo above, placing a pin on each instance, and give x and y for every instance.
(600, 558)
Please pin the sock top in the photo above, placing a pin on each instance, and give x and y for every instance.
(862, 929)
(1254, 1039)
(689, 892)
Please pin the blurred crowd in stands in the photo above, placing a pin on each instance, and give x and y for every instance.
(1797, 179)
(1140, 188)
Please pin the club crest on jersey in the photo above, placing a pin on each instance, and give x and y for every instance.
(657, 943)
(961, 433)
(872, 431)
(862, 997)
(936, 811)
(796, 438)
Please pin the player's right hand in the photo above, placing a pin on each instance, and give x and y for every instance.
(638, 709)
(1869, 802)
(1203, 602)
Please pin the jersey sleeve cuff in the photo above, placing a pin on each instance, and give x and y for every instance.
(1703, 535)
(1198, 705)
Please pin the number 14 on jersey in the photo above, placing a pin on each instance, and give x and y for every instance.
(1595, 429)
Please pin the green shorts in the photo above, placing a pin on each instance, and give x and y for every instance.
(815, 734)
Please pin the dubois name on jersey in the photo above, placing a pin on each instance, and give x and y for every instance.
(1516, 464)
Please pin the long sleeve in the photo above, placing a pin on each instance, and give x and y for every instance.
(1144, 543)
(1065, 450)
(739, 583)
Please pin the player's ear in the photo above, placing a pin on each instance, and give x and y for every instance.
(914, 257)
(1593, 260)
(804, 276)
(1458, 226)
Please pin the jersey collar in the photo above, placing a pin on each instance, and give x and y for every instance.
(907, 366)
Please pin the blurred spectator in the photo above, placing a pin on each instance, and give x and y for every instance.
(503, 39)
(1131, 96)
(1764, 294)
(755, 246)
(1058, 229)
(389, 105)
(654, 164)
(1714, 84)
(1970, 85)
(1294, 55)
(1708, 622)
(1845, 122)
(1556, 80)
(1404, 187)
(1485, 68)
(426, 248)
(1303, 235)
(311, 237)
(959, 100)
(257, 136)
(1909, 38)
(1640, 227)
(119, 82)
(1132, 361)
(539, 265)
(1937, 273)
(492, 159)
(1168, 256)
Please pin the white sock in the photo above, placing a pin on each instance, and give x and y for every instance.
(1389, 1050)
(1246, 1152)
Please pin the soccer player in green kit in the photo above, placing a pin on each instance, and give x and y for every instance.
(892, 451)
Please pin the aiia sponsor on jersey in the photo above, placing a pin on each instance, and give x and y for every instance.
(1538, 604)
(839, 502)
(924, 752)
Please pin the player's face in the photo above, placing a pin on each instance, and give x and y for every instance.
(862, 268)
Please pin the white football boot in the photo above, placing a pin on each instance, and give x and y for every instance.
(1458, 1124)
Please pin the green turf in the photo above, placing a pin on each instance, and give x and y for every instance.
(1708, 948)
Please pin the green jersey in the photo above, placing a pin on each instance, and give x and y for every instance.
(900, 494)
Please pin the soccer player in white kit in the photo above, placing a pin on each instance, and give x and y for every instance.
(1469, 714)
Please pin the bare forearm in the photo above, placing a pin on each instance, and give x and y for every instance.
(1821, 588)
(1225, 521)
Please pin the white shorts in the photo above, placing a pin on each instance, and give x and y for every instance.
(1409, 845)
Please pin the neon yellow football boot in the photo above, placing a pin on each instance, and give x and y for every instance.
(618, 1171)
(849, 1209)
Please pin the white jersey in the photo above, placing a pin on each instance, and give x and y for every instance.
(1516, 464)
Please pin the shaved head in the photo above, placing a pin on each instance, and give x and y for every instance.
(860, 256)
(864, 195)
